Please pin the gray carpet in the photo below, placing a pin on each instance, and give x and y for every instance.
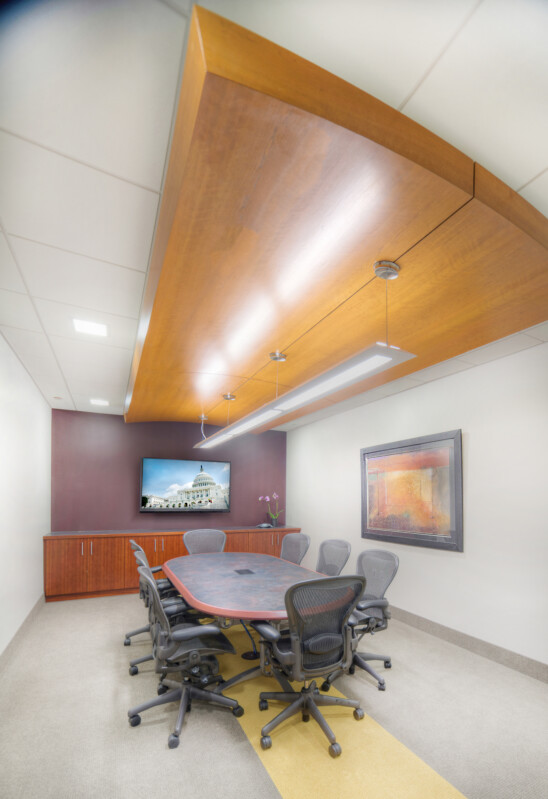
(65, 692)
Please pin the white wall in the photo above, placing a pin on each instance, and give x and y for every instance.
(25, 480)
(496, 589)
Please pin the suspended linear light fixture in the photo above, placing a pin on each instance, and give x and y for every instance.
(375, 359)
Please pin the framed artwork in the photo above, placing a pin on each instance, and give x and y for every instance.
(412, 491)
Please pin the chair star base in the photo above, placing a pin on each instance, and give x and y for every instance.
(307, 702)
(184, 694)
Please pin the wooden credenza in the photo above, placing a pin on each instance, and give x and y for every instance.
(78, 565)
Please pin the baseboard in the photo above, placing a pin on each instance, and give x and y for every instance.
(8, 651)
(533, 668)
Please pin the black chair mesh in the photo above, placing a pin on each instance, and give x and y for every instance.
(317, 611)
(294, 547)
(199, 542)
(332, 556)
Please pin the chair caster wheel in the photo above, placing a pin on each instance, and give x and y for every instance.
(135, 721)
(263, 704)
(173, 741)
(359, 714)
(306, 717)
(382, 686)
(335, 750)
(127, 641)
(266, 742)
(387, 664)
(133, 670)
(162, 689)
(352, 669)
(238, 711)
(326, 686)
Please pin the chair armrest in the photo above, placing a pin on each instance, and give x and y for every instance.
(155, 569)
(174, 606)
(372, 603)
(193, 631)
(266, 630)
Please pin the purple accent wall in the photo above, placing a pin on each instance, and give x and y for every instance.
(96, 467)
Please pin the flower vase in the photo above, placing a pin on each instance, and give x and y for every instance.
(273, 521)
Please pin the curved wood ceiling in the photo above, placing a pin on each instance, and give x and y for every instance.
(285, 184)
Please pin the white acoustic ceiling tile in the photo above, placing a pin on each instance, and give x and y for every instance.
(498, 349)
(16, 310)
(403, 384)
(536, 192)
(36, 355)
(90, 368)
(538, 331)
(182, 6)
(10, 277)
(60, 276)
(58, 320)
(57, 201)
(63, 404)
(114, 408)
(481, 93)
(383, 48)
(443, 369)
(96, 81)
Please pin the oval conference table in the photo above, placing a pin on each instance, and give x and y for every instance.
(240, 586)
(236, 585)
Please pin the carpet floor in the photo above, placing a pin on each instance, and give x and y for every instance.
(450, 723)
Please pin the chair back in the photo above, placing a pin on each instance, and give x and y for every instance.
(332, 557)
(379, 568)
(294, 547)
(318, 612)
(199, 542)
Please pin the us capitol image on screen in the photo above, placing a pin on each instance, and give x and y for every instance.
(202, 492)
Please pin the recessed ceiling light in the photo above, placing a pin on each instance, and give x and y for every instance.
(93, 328)
(99, 402)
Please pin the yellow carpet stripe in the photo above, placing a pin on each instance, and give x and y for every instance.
(373, 763)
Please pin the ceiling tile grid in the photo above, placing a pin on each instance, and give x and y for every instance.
(87, 98)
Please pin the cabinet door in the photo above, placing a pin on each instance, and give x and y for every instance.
(237, 542)
(168, 547)
(150, 545)
(65, 567)
(261, 542)
(106, 570)
(277, 542)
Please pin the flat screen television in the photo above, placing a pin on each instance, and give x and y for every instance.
(179, 486)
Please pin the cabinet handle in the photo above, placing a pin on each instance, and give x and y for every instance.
(155, 545)
(278, 539)
(271, 539)
(91, 547)
(82, 549)
(163, 545)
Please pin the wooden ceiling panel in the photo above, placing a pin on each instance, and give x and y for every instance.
(285, 185)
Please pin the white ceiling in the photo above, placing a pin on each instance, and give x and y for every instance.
(87, 97)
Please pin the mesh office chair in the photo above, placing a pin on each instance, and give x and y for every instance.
(294, 547)
(379, 568)
(174, 606)
(164, 587)
(189, 649)
(332, 556)
(199, 542)
(319, 640)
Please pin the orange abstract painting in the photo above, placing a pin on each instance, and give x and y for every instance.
(412, 491)
(409, 492)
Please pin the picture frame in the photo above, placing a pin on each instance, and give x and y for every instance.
(412, 491)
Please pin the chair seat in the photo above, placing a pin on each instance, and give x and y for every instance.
(205, 643)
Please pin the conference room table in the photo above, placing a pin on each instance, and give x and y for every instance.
(238, 586)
